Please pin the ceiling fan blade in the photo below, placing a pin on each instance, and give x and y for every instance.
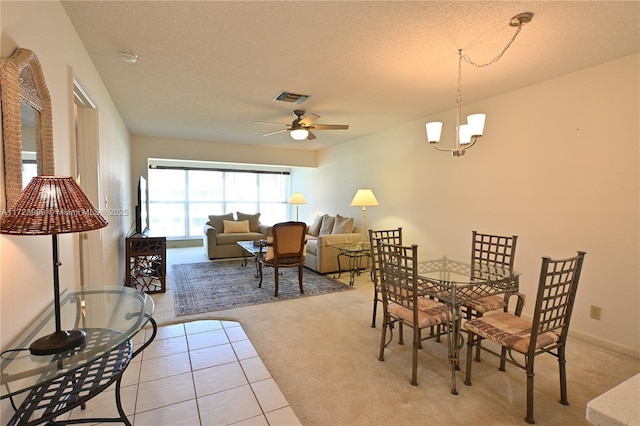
(309, 119)
(273, 133)
(311, 136)
(330, 127)
(270, 123)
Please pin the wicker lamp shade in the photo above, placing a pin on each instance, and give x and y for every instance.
(51, 205)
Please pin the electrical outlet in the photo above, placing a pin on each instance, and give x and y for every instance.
(596, 312)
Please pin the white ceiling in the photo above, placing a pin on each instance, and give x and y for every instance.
(208, 69)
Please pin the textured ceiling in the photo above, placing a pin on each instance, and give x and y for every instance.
(208, 69)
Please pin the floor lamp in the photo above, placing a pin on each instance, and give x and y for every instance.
(52, 205)
(297, 198)
(364, 198)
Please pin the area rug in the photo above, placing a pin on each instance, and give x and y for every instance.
(215, 286)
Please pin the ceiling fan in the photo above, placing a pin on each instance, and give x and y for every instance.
(301, 128)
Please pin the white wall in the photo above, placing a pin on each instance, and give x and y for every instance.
(26, 262)
(558, 165)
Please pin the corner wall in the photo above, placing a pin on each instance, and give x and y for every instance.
(558, 165)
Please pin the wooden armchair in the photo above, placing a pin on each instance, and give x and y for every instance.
(285, 249)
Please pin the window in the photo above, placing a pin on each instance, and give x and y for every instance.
(181, 199)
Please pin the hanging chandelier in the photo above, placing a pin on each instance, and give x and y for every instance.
(467, 134)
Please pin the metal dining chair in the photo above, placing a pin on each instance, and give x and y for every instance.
(489, 252)
(402, 301)
(389, 236)
(545, 333)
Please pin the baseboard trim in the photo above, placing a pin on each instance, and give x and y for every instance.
(607, 344)
(184, 243)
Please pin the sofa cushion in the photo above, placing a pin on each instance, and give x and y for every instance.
(342, 225)
(217, 221)
(314, 228)
(312, 245)
(236, 226)
(327, 225)
(233, 238)
(254, 220)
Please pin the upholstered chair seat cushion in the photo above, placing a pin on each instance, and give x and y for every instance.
(486, 304)
(509, 330)
(430, 312)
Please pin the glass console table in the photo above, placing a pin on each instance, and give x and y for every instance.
(43, 387)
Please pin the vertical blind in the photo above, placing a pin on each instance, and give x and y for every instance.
(181, 199)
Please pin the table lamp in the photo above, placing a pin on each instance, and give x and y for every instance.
(297, 198)
(364, 198)
(52, 205)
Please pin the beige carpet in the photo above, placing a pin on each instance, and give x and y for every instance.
(323, 354)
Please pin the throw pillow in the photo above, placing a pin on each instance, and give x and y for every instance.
(327, 225)
(217, 221)
(236, 226)
(254, 220)
(342, 225)
(314, 229)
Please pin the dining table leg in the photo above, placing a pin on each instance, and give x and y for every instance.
(453, 335)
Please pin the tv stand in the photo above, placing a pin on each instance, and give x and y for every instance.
(146, 259)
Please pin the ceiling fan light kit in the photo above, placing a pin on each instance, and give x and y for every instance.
(127, 57)
(468, 134)
(300, 128)
(299, 134)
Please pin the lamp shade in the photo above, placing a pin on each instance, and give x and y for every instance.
(297, 198)
(299, 134)
(434, 130)
(51, 205)
(465, 134)
(364, 197)
(476, 124)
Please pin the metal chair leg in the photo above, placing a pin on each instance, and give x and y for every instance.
(530, 375)
(385, 321)
(375, 307)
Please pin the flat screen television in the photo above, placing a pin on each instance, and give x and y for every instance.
(142, 208)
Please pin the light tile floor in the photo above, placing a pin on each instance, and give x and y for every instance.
(196, 373)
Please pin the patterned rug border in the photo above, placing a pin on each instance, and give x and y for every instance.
(197, 286)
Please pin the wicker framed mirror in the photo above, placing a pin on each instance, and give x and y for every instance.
(27, 121)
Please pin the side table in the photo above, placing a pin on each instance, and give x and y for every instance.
(146, 259)
(354, 253)
(51, 385)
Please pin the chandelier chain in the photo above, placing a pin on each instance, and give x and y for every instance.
(497, 58)
(468, 60)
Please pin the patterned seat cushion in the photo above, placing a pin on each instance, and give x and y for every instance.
(430, 313)
(509, 330)
(486, 304)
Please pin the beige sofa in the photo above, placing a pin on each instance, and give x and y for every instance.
(219, 241)
(322, 235)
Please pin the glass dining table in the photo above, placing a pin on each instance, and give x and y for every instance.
(47, 386)
(454, 281)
